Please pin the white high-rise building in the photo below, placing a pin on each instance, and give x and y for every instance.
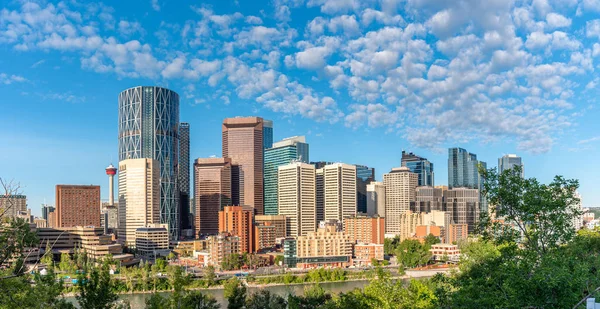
(376, 199)
(139, 197)
(339, 188)
(297, 198)
(508, 162)
(400, 185)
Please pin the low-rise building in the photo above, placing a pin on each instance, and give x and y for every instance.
(222, 245)
(365, 253)
(423, 231)
(324, 248)
(278, 221)
(152, 241)
(445, 252)
(90, 239)
(265, 236)
(189, 247)
(456, 232)
(365, 229)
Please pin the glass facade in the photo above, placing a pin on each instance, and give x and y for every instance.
(463, 172)
(364, 175)
(149, 128)
(184, 175)
(508, 162)
(267, 133)
(420, 166)
(282, 153)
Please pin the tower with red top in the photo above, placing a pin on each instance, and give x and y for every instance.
(111, 171)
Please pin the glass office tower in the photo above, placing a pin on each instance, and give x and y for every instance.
(282, 153)
(149, 128)
(463, 172)
(184, 176)
(508, 162)
(420, 166)
(364, 175)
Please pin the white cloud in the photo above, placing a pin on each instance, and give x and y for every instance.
(556, 20)
(155, 5)
(9, 79)
(346, 24)
(335, 6)
(592, 28)
(254, 20)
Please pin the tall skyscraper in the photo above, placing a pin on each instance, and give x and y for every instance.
(239, 221)
(282, 153)
(243, 143)
(149, 128)
(508, 162)
(183, 175)
(46, 209)
(267, 133)
(77, 206)
(420, 166)
(364, 175)
(139, 197)
(376, 199)
(400, 184)
(463, 172)
(297, 199)
(463, 206)
(212, 192)
(339, 183)
(428, 199)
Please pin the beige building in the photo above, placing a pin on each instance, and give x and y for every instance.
(408, 222)
(90, 239)
(376, 199)
(40, 223)
(12, 205)
(212, 192)
(222, 245)
(139, 197)
(278, 221)
(339, 182)
(400, 184)
(296, 197)
(152, 241)
(324, 243)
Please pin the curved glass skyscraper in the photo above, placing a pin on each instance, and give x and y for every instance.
(148, 128)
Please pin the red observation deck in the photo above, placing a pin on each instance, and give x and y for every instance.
(111, 170)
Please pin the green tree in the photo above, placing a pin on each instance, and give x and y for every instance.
(209, 275)
(96, 291)
(390, 244)
(66, 263)
(278, 259)
(155, 301)
(263, 299)
(314, 297)
(197, 300)
(235, 293)
(411, 253)
(431, 240)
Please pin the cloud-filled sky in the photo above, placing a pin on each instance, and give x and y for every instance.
(363, 79)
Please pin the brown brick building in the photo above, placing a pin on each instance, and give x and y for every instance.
(365, 229)
(77, 205)
(238, 221)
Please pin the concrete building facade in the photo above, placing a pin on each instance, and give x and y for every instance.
(139, 197)
(364, 229)
(296, 198)
(376, 199)
(463, 206)
(238, 221)
(400, 184)
(339, 191)
(278, 221)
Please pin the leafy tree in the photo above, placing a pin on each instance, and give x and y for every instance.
(278, 259)
(412, 253)
(155, 301)
(264, 299)
(314, 297)
(66, 264)
(197, 300)
(390, 244)
(431, 240)
(209, 275)
(96, 291)
(235, 293)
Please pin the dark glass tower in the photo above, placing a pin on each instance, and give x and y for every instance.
(463, 172)
(149, 128)
(364, 175)
(420, 166)
(184, 175)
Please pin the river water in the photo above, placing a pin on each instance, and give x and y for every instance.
(137, 301)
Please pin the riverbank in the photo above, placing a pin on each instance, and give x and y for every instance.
(410, 274)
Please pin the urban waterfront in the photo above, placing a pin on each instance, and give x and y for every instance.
(137, 300)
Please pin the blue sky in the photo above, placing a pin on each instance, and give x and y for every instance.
(362, 79)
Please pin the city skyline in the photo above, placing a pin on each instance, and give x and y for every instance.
(341, 100)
